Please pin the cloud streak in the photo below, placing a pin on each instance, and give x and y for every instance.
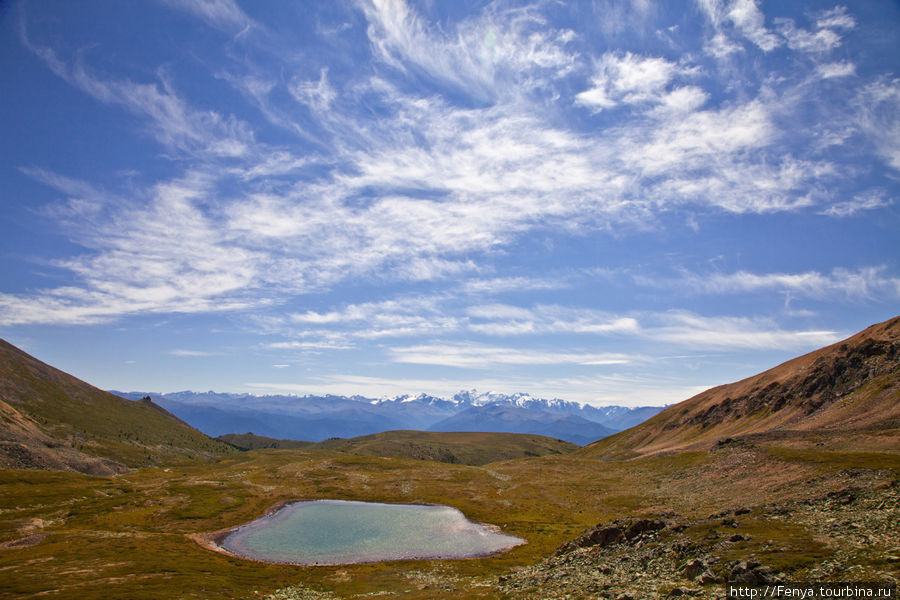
(480, 356)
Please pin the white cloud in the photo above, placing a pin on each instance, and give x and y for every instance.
(749, 20)
(401, 317)
(628, 79)
(684, 99)
(192, 353)
(836, 18)
(691, 142)
(498, 285)
(163, 255)
(836, 69)
(479, 56)
(221, 14)
(746, 19)
(171, 120)
(698, 332)
(432, 188)
(822, 40)
(867, 283)
(500, 311)
(317, 345)
(505, 320)
(477, 356)
(878, 106)
(870, 200)
(317, 94)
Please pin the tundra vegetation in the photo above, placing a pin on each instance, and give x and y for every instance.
(790, 475)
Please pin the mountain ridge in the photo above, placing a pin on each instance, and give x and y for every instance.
(52, 420)
(837, 390)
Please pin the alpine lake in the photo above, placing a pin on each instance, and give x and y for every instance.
(335, 532)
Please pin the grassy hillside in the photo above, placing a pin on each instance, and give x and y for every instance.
(465, 448)
(250, 441)
(848, 394)
(53, 420)
(68, 536)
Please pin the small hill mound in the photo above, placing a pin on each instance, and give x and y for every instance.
(251, 441)
(466, 448)
(850, 386)
(51, 420)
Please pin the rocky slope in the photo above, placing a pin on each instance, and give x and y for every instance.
(851, 386)
(851, 533)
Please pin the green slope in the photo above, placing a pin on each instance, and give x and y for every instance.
(465, 448)
(53, 420)
(251, 441)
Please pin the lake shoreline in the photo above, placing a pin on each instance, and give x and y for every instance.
(214, 540)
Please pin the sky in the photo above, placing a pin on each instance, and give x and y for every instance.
(612, 202)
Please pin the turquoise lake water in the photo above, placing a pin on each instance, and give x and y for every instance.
(329, 532)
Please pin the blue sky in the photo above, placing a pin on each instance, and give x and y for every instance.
(609, 202)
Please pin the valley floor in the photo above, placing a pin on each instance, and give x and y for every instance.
(662, 526)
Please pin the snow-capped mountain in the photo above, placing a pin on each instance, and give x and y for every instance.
(315, 418)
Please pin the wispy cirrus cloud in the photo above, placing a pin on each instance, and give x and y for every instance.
(221, 14)
(482, 56)
(836, 69)
(161, 255)
(478, 356)
(624, 78)
(181, 352)
(841, 284)
(433, 186)
(736, 18)
(344, 327)
(829, 27)
(170, 119)
(869, 200)
(498, 285)
(697, 332)
(501, 319)
(878, 117)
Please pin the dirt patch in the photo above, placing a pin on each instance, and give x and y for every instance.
(29, 540)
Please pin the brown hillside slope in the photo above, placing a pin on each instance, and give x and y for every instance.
(51, 420)
(843, 389)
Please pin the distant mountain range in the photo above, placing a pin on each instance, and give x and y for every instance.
(317, 418)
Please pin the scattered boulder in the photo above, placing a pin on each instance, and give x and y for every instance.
(752, 573)
(616, 532)
(683, 591)
(643, 525)
(693, 568)
(706, 577)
